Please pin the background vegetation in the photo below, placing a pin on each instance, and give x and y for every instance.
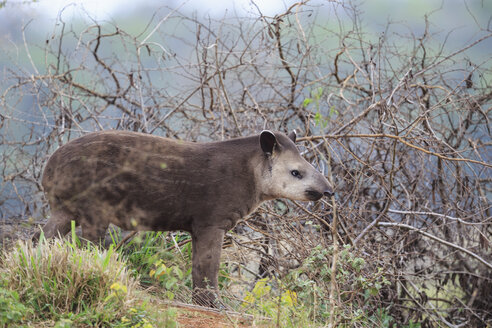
(397, 117)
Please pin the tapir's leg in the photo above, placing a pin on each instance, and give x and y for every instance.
(93, 229)
(207, 246)
(58, 224)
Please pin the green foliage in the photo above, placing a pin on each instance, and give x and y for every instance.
(270, 298)
(12, 311)
(384, 320)
(160, 260)
(64, 323)
(142, 251)
(262, 293)
(170, 318)
(301, 298)
(138, 317)
(320, 120)
(69, 285)
(312, 281)
(225, 279)
(169, 277)
(315, 99)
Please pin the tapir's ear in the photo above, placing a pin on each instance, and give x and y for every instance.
(293, 135)
(268, 141)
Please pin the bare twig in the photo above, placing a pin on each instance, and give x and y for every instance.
(442, 241)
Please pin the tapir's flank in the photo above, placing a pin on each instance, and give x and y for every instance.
(144, 182)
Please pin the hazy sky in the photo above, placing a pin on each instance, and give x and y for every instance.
(464, 18)
(456, 12)
(106, 9)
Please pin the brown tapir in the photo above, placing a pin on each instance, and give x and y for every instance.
(144, 182)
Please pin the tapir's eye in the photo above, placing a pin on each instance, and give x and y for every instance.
(296, 174)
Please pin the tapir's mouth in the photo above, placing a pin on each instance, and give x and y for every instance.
(313, 195)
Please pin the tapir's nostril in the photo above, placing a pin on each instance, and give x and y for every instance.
(328, 193)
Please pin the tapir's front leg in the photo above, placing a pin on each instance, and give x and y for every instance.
(58, 224)
(207, 246)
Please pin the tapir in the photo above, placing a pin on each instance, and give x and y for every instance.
(144, 182)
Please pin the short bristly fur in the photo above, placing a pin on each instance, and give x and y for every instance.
(144, 182)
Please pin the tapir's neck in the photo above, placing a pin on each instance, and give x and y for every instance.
(242, 160)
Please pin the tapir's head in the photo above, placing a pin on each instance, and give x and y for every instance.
(286, 174)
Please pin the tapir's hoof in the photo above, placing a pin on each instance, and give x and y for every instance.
(207, 298)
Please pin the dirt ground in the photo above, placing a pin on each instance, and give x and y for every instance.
(12, 230)
(203, 318)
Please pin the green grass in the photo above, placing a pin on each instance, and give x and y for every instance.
(59, 284)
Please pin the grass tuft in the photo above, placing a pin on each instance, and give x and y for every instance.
(55, 279)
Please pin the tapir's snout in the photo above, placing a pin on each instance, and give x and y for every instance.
(323, 189)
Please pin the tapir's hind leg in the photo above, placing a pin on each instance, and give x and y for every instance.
(93, 231)
(57, 225)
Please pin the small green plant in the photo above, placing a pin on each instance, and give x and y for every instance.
(224, 276)
(12, 311)
(262, 290)
(271, 298)
(169, 277)
(137, 318)
(170, 318)
(315, 98)
(118, 291)
(162, 259)
(143, 251)
(64, 323)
